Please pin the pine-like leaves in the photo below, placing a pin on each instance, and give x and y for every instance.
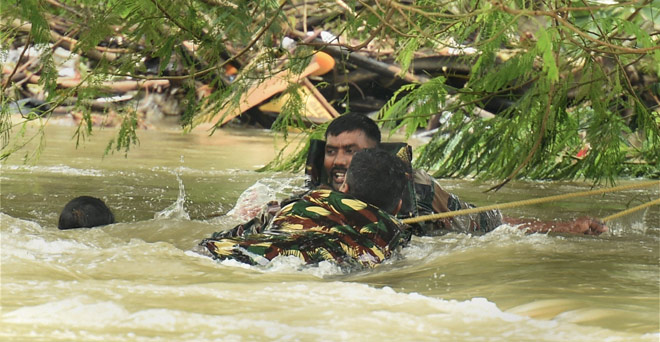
(578, 82)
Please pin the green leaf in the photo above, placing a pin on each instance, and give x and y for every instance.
(545, 47)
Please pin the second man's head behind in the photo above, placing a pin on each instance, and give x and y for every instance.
(377, 177)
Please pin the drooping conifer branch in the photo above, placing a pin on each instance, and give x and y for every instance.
(425, 64)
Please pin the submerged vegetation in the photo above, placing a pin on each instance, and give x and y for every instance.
(536, 89)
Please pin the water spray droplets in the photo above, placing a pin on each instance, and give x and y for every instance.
(176, 210)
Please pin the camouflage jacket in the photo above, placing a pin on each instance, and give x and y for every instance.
(323, 225)
(432, 198)
(423, 196)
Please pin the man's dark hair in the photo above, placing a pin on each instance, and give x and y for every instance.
(85, 212)
(354, 122)
(377, 177)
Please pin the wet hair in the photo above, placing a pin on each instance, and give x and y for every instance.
(354, 122)
(377, 177)
(85, 212)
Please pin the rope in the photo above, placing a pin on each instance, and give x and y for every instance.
(631, 210)
(531, 201)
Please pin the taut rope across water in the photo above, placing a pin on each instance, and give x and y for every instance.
(543, 200)
(631, 210)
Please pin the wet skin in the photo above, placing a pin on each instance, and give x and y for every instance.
(339, 151)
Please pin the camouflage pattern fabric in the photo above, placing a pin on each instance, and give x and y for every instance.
(431, 198)
(317, 178)
(423, 196)
(323, 225)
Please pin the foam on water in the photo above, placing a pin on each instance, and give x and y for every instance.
(300, 311)
(57, 169)
(428, 247)
(27, 239)
(93, 172)
(184, 170)
(125, 283)
(81, 311)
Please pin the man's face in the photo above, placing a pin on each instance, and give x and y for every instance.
(339, 151)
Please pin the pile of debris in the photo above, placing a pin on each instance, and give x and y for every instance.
(365, 81)
(358, 79)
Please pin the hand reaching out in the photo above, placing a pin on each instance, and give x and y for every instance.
(589, 226)
(582, 225)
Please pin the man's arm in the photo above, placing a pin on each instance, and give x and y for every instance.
(432, 198)
(582, 225)
(444, 201)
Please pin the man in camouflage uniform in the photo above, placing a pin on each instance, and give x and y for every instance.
(352, 132)
(327, 167)
(352, 227)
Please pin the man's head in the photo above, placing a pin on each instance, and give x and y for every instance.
(376, 177)
(346, 135)
(85, 212)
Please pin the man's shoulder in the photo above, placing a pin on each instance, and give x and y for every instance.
(339, 201)
(334, 201)
(318, 197)
(422, 177)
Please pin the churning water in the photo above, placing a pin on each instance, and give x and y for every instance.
(138, 280)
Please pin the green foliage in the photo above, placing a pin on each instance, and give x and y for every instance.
(127, 135)
(423, 101)
(405, 56)
(574, 73)
(291, 115)
(545, 49)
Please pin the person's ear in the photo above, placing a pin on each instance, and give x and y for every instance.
(398, 207)
(344, 188)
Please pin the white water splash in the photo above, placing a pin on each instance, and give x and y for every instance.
(251, 201)
(254, 199)
(176, 210)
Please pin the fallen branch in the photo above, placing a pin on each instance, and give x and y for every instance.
(113, 86)
(70, 43)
